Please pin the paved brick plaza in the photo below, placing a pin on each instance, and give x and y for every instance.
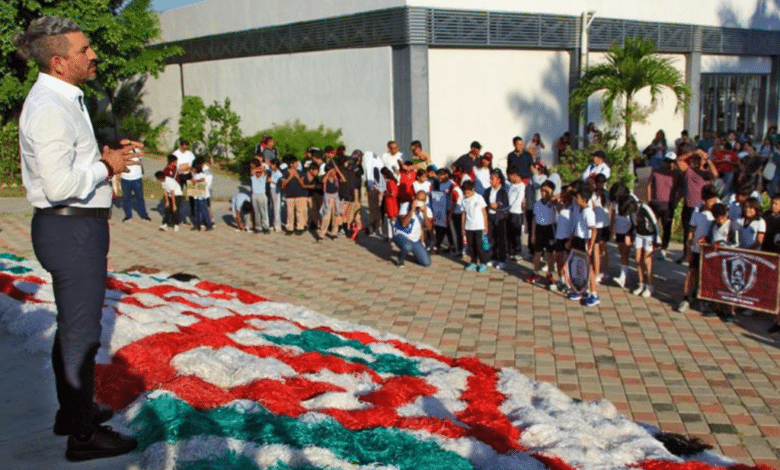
(680, 372)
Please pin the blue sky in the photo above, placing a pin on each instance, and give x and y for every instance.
(162, 5)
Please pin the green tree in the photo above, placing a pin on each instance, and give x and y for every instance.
(224, 136)
(629, 69)
(192, 119)
(119, 32)
(292, 138)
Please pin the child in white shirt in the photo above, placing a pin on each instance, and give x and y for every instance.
(172, 197)
(584, 238)
(475, 227)
(516, 194)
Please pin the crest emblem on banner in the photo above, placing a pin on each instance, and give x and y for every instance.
(739, 274)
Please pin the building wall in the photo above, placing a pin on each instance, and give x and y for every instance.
(348, 89)
(225, 16)
(663, 117)
(163, 98)
(222, 16)
(735, 64)
(493, 95)
(758, 14)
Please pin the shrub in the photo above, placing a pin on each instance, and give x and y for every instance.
(291, 138)
(573, 162)
(224, 137)
(192, 119)
(10, 171)
(139, 127)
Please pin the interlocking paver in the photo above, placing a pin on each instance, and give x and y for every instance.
(679, 372)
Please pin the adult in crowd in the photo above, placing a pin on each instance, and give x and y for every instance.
(67, 181)
(662, 193)
(132, 189)
(467, 161)
(184, 170)
(375, 186)
(684, 144)
(520, 159)
(536, 145)
(270, 152)
(414, 218)
(297, 197)
(393, 158)
(597, 166)
(656, 150)
(726, 161)
(707, 141)
(592, 134)
(563, 144)
(697, 171)
(420, 158)
(349, 193)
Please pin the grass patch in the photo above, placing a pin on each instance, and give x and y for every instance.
(12, 191)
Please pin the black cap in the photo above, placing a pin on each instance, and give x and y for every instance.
(476, 145)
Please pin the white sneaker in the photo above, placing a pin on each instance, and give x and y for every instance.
(648, 292)
(639, 289)
(163, 227)
(175, 228)
(620, 281)
(599, 278)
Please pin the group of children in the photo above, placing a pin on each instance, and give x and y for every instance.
(321, 193)
(485, 213)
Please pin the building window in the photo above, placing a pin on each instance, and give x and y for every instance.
(735, 102)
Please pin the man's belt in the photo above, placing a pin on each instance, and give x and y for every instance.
(97, 212)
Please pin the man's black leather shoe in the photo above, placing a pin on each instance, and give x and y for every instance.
(102, 414)
(102, 442)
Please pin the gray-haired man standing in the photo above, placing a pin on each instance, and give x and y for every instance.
(67, 181)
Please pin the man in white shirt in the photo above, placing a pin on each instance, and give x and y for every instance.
(184, 170)
(132, 188)
(413, 219)
(393, 158)
(185, 156)
(596, 167)
(67, 181)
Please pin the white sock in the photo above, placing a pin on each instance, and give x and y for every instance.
(624, 271)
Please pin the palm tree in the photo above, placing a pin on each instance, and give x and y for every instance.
(629, 69)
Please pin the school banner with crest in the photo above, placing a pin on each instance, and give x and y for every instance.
(744, 278)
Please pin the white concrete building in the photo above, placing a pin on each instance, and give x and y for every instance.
(449, 72)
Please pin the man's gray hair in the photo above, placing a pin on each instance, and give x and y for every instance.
(45, 39)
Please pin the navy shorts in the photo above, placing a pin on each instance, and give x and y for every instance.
(578, 243)
(544, 236)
